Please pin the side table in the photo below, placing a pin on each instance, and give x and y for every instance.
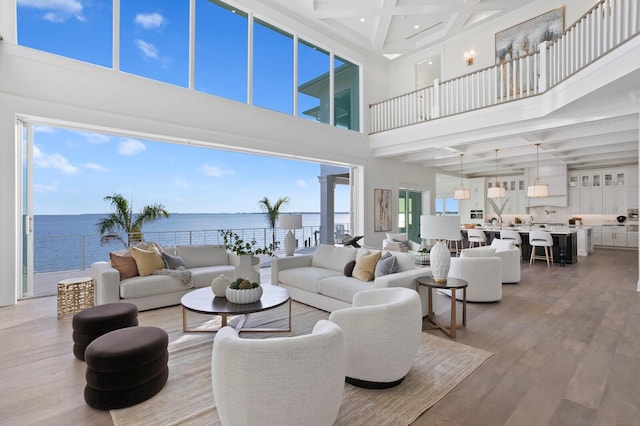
(74, 295)
(452, 284)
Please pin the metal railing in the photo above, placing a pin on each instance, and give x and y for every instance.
(67, 252)
(604, 27)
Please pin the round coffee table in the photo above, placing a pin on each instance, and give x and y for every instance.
(451, 284)
(203, 301)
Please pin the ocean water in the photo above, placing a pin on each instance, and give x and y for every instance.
(63, 242)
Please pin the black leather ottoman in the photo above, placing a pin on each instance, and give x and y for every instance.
(98, 320)
(126, 367)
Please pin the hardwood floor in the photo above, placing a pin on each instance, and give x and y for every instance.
(566, 347)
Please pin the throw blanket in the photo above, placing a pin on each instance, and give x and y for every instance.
(182, 275)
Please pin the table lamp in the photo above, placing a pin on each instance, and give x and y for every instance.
(441, 228)
(290, 221)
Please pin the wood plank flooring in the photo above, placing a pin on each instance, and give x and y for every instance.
(566, 346)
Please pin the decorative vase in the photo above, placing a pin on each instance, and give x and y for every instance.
(245, 268)
(251, 295)
(440, 260)
(219, 285)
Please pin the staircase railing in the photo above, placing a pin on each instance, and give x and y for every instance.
(607, 25)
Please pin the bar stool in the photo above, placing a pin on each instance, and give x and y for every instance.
(455, 245)
(476, 236)
(506, 234)
(541, 239)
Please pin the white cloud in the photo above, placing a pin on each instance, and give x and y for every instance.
(181, 182)
(97, 167)
(95, 138)
(38, 187)
(56, 10)
(52, 161)
(214, 171)
(147, 49)
(43, 129)
(149, 20)
(131, 147)
(301, 183)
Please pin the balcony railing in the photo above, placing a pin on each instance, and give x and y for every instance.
(604, 27)
(66, 252)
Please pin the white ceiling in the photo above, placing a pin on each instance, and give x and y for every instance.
(599, 130)
(394, 27)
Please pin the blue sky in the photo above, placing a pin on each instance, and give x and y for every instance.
(73, 171)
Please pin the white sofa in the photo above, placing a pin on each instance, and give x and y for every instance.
(155, 291)
(319, 280)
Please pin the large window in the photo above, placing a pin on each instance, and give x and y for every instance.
(154, 42)
(221, 50)
(347, 94)
(272, 67)
(447, 206)
(154, 39)
(313, 82)
(78, 30)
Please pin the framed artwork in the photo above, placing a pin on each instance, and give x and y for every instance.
(524, 38)
(381, 210)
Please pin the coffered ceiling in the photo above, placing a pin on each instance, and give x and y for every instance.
(396, 27)
(598, 130)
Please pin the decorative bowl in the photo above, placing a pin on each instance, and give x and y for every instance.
(241, 297)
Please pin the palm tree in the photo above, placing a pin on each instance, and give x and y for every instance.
(272, 212)
(122, 220)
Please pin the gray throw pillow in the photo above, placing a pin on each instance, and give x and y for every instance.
(172, 262)
(388, 264)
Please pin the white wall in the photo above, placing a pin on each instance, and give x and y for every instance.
(481, 39)
(41, 86)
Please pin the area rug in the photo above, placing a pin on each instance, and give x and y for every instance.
(187, 398)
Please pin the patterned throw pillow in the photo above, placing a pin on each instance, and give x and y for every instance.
(365, 266)
(125, 264)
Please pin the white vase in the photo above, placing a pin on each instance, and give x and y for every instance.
(440, 260)
(246, 270)
(219, 285)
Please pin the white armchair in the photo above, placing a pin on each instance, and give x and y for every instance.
(507, 251)
(279, 381)
(382, 335)
(482, 270)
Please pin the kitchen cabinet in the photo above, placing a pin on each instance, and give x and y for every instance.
(613, 235)
(614, 193)
(585, 242)
(574, 194)
(632, 238)
(591, 193)
(632, 188)
(596, 235)
(515, 192)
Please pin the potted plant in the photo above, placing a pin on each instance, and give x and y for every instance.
(243, 291)
(246, 252)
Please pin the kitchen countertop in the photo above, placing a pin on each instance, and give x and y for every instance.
(526, 229)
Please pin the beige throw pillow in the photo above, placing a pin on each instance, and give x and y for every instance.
(365, 266)
(147, 261)
(125, 264)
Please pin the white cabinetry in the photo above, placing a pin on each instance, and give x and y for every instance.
(632, 188)
(515, 192)
(596, 235)
(613, 235)
(591, 193)
(574, 193)
(632, 238)
(614, 193)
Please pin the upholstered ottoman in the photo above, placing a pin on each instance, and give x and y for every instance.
(126, 367)
(94, 322)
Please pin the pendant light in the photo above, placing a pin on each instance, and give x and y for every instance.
(538, 189)
(461, 193)
(496, 191)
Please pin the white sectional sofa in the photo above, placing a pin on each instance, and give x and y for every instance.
(155, 291)
(319, 279)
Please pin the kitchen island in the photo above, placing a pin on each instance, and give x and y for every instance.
(565, 241)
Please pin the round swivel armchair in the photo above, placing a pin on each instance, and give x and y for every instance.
(279, 381)
(381, 334)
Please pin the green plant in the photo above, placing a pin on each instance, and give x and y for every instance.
(272, 211)
(237, 245)
(242, 284)
(122, 220)
(424, 250)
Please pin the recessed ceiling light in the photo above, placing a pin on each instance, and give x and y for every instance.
(361, 19)
(430, 62)
(415, 27)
